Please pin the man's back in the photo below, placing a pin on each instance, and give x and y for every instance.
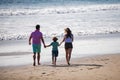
(37, 36)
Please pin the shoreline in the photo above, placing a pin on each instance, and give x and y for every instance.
(62, 61)
(101, 67)
(20, 53)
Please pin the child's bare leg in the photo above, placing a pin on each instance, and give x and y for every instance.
(55, 60)
(34, 58)
(52, 60)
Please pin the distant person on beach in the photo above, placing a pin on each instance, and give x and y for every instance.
(68, 39)
(54, 45)
(36, 37)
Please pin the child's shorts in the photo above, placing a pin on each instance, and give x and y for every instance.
(54, 53)
(36, 48)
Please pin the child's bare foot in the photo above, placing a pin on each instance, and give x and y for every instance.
(52, 62)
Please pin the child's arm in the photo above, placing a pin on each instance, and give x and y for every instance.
(47, 45)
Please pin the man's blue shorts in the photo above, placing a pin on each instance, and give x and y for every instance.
(36, 48)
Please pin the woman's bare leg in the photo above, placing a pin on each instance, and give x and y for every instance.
(70, 51)
(67, 56)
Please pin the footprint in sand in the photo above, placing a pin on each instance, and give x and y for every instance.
(90, 68)
(43, 73)
(93, 68)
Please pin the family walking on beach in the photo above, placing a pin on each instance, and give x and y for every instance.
(37, 38)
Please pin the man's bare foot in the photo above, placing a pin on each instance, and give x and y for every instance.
(38, 63)
(34, 64)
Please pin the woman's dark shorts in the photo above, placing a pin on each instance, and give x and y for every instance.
(68, 45)
(54, 53)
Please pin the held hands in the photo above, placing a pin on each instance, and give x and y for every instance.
(44, 46)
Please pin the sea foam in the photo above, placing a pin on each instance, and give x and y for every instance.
(58, 9)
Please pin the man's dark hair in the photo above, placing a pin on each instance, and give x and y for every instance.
(37, 26)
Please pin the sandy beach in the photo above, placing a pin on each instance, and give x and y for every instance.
(103, 67)
(95, 25)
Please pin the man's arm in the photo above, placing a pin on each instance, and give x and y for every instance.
(30, 40)
(43, 41)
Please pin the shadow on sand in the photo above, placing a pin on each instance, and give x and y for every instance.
(76, 65)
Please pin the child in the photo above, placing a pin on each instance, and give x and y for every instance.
(54, 45)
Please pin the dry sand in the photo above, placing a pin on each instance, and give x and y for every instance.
(105, 67)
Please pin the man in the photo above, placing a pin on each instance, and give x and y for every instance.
(36, 37)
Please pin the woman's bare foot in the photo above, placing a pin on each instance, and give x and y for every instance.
(68, 63)
(52, 62)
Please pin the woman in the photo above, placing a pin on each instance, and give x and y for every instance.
(68, 39)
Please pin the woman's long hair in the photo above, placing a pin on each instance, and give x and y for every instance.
(69, 33)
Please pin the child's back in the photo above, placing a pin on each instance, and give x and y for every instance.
(55, 45)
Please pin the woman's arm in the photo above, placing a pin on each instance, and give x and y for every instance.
(62, 40)
(72, 38)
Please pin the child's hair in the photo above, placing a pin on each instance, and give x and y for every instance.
(55, 39)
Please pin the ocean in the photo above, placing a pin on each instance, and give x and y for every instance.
(19, 17)
(94, 23)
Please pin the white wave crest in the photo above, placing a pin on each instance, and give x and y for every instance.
(58, 10)
(76, 34)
